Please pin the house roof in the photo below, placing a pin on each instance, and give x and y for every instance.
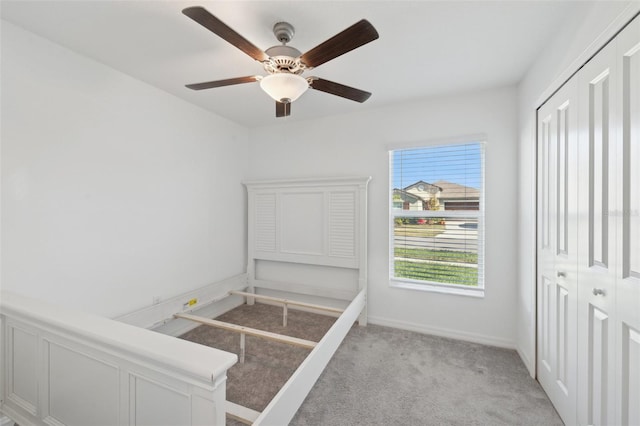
(421, 182)
(454, 190)
(407, 196)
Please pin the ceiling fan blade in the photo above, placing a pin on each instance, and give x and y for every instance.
(283, 109)
(216, 26)
(339, 89)
(220, 83)
(358, 34)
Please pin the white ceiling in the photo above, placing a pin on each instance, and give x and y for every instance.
(426, 48)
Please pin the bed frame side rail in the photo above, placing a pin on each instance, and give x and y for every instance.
(211, 300)
(288, 400)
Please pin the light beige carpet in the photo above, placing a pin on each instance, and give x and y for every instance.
(381, 376)
(268, 364)
(384, 376)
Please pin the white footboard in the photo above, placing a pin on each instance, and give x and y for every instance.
(60, 367)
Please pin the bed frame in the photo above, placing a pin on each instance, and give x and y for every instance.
(309, 237)
(62, 367)
(306, 238)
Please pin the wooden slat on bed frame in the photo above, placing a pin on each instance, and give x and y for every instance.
(288, 301)
(308, 344)
(241, 413)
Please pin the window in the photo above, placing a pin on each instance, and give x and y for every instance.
(437, 218)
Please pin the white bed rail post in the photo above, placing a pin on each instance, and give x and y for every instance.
(362, 255)
(61, 367)
(251, 263)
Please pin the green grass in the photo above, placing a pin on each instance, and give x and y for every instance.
(436, 255)
(418, 230)
(437, 272)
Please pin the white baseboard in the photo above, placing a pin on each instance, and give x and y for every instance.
(444, 332)
(527, 362)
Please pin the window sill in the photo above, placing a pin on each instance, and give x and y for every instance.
(437, 288)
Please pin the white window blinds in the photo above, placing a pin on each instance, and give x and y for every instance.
(437, 220)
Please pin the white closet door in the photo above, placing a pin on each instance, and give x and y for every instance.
(628, 279)
(589, 200)
(557, 249)
(598, 97)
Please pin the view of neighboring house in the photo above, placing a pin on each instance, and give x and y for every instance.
(419, 196)
(440, 195)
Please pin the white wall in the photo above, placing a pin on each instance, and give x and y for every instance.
(356, 145)
(575, 42)
(112, 191)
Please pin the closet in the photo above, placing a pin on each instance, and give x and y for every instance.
(588, 242)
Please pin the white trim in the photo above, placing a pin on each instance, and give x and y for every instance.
(308, 182)
(527, 362)
(450, 140)
(614, 27)
(456, 290)
(444, 332)
(400, 282)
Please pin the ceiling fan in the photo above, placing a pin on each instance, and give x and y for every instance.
(285, 64)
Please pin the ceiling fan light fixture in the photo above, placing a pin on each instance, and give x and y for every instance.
(284, 87)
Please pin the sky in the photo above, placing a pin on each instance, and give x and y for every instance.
(459, 163)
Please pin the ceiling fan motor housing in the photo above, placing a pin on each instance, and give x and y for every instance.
(283, 59)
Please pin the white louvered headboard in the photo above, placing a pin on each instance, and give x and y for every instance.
(308, 236)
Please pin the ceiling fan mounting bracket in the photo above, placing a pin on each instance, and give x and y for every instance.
(284, 32)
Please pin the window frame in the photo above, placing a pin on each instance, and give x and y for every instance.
(433, 286)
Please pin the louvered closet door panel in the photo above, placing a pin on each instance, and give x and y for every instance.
(628, 277)
(557, 249)
(598, 97)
